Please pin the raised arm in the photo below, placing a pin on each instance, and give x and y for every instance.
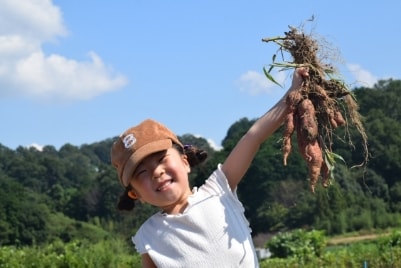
(240, 158)
(147, 261)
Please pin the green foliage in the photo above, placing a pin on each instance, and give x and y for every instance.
(383, 252)
(67, 229)
(106, 253)
(395, 193)
(272, 216)
(299, 244)
(21, 223)
(393, 240)
(380, 107)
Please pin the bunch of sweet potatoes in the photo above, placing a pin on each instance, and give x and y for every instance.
(317, 109)
(302, 119)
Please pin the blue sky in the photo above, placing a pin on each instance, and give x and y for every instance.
(80, 72)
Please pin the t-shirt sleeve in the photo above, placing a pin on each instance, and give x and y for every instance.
(218, 183)
(140, 247)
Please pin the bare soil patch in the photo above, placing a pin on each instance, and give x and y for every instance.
(352, 239)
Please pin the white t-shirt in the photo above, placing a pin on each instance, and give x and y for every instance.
(211, 232)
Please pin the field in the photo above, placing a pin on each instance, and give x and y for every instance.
(382, 249)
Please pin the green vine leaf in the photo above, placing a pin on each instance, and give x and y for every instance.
(270, 77)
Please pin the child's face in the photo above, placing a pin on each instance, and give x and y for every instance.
(161, 179)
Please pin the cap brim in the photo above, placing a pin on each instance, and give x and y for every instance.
(137, 157)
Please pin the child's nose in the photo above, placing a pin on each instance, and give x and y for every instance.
(158, 172)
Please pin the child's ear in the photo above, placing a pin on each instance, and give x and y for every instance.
(132, 194)
(188, 166)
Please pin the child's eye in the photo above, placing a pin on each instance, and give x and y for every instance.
(163, 157)
(138, 173)
(141, 172)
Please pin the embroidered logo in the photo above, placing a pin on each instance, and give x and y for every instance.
(129, 140)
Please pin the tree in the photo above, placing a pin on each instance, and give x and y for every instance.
(23, 215)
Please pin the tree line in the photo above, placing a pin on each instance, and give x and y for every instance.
(49, 195)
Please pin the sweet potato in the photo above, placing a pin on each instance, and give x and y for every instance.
(308, 145)
(287, 146)
(288, 131)
(321, 93)
(307, 120)
(338, 117)
(312, 154)
(332, 120)
(325, 172)
(314, 158)
(293, 99)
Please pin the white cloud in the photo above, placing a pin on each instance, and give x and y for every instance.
(36, 146)
(214, 145)
(211, 142)
(363, 77)
(256, 83)
(33, 19)
(25, 70)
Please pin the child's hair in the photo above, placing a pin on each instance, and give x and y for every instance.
(195, 156)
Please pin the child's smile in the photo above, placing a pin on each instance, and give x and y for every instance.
(164, 186)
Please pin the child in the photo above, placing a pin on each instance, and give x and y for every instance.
(203, 227)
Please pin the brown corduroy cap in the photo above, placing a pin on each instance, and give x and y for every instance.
(138, 142)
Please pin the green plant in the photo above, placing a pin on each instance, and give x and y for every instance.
(298, 243)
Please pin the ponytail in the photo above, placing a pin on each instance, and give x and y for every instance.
(194, 155)
(126, 203)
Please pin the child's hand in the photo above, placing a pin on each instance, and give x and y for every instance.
(299, 75)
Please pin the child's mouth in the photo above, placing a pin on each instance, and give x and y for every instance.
(164, 185)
